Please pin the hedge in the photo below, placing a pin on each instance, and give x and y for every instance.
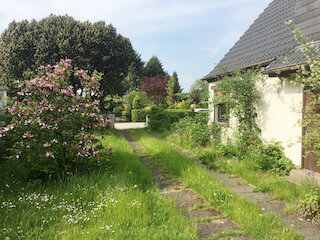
(139, 115)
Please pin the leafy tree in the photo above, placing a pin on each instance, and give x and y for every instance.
(200, 90)
(135, 100)
(135, 75)
(156, 88)
(195, 96)
(154, 68)
(177, 88)
(25, 45)
(173, 89)
(170, 99)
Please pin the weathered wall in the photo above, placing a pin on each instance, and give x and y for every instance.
(279, 114)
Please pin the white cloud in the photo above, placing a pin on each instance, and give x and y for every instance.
(160, 15)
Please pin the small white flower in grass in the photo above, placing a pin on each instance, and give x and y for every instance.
(54, 141)
(46, 144)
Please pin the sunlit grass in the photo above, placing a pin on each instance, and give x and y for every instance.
(278, 186)
(250, 217)
(114, 202)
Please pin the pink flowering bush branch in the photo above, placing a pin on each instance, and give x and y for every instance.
(53, 123)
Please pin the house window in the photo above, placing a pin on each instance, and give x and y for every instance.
(222, 113)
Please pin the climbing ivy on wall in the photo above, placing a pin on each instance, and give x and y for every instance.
(240, 95)
(309, 78)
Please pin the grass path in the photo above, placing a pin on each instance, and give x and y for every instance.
(117, 202)
(254, 221)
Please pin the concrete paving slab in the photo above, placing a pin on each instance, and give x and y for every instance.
(242, 188)
(185, 198)
(208, 229)
(202, 213)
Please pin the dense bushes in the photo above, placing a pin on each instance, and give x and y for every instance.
(310, 205)
(265, 157)
(5, 141)
(139, 115)
(270, 157)
(196, 130)
(160, 118)
(158, 115)
(53, 124)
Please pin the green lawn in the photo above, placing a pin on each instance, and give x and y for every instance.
(278, 186)
(117, 202)
(253, 221)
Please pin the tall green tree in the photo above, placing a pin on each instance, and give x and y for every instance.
(25, 45)
(135, 75)
(154, 68)
(200, 89)
(177, 88)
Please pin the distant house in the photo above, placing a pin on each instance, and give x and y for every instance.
(270, 44)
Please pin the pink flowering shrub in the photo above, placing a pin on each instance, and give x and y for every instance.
(53, 124)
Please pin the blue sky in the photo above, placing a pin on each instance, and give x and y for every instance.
(188, 36)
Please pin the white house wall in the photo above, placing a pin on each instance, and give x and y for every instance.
(279, 113)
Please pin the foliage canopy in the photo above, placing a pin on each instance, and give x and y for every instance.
(92, 46)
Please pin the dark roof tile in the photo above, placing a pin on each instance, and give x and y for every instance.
(266, 39)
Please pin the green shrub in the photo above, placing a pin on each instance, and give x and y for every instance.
(310, 206)
(194, 128)
(270, 157)
(5, 142)
(163, 118)
(139, 115)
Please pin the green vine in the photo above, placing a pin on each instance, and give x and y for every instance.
(240, 95)
(309, 78)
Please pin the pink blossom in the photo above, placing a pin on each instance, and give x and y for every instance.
(68, 61)
(27, 135)
(3, 133)
(58, 71)
(54, 141)
(64, 144)
(49, 155)
(46, 144)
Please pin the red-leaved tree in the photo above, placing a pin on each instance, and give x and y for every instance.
(155, 87)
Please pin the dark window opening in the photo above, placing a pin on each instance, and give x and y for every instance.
(222, 113)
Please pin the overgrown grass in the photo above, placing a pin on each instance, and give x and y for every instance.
(117, 202)
(253, 221)
(278, 186)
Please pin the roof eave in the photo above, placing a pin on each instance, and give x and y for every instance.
(219, 76)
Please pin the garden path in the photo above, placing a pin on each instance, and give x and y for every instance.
(247, 191)
(129, 125)
(209, 222)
